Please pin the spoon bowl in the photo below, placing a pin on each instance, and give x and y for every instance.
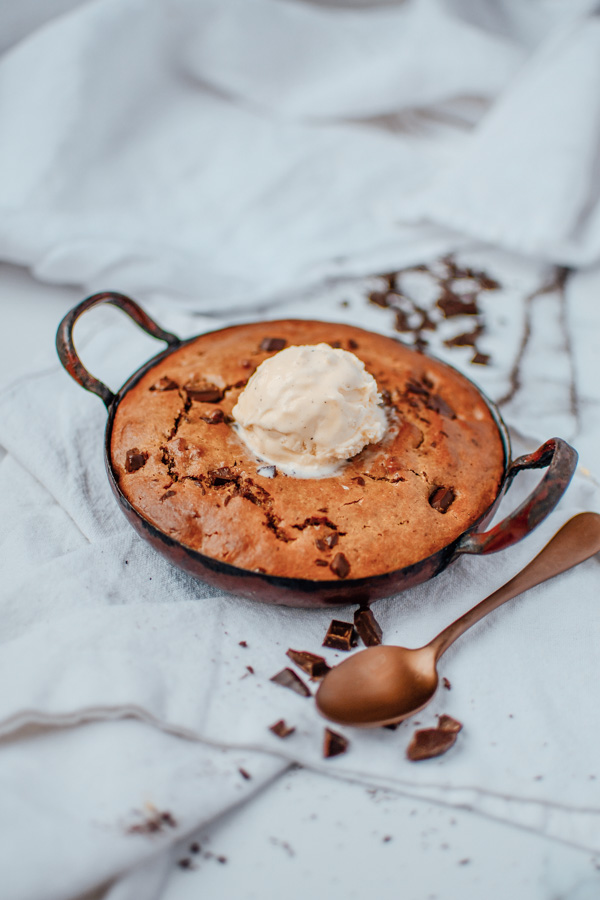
(384, 685)
(379, 686)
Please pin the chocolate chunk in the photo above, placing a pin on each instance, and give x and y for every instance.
(204, 392)
(327, 543)
(439, 405)
(165, 384)
(352, 344)
(446, 683)
(321, 562)
(166, 495)
(184, 863)
(281, 729)
(246, 775)
(441, 498)
(135, 460)
(222, 476)
(243, 644)
(287, 678)
(215, 418)
(429, 742)
(270, 344)
(481, 359)
(340, 635)
(367, 626)
(359, 480)
(334, 743)
(267, 471)
(447, 723)
(313, 665)
(340, 565)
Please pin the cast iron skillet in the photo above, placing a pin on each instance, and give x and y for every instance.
(556, 455)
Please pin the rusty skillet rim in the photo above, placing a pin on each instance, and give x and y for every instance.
(438, 560)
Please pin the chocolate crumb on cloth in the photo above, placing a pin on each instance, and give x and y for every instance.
(281, 729)
(340, 635)
(313, 665)
(334, 743)
(367, 626)
(430, 742)
(288, 678)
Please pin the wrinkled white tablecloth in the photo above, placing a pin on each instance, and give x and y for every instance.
(259, 160)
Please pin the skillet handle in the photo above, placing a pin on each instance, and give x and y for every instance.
(561, 460)
(66, 348)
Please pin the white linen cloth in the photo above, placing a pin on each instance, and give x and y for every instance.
(97, 627)
(235, 156)
(226, 151)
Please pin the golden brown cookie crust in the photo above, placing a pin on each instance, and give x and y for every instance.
(436, 471)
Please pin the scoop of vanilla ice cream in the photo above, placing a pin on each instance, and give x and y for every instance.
(309, 407)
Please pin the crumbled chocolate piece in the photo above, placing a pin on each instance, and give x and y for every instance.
(340, 635)
(242, 643)
(135, 460)
(334, 743)
(322, 563)
(184, 863)
(359, 480)
(453, 305)
(167, 494)
(281, 729)
(441, 498)
(335, 345)
(340, 565)
(204, 392)
(153, 822)
(392, 726)
(215, 418)
(267, 471)
(447, 723)
(313, 665)
(352, 344)
(165, 384)
(367, 626)
(401, 322)
(446, 683)
(481, 359)
(288, 678)
(270, 344)
(378, 298)
(245, 775)
(467, 339)
(221, 859)
(429, 742)
(250, 670)
(195, 847)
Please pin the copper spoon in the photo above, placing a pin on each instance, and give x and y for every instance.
(383, 685)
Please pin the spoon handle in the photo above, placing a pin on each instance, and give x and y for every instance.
(576, 541)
